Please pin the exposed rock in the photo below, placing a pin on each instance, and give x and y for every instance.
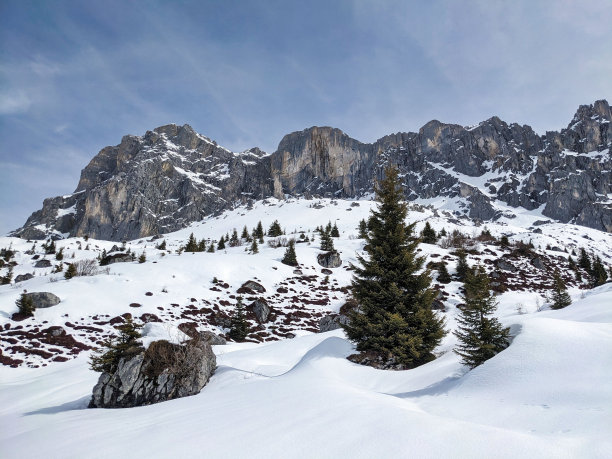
(332, 322)
(326, 271)
(212, 338)
(120, 257)
(505, 266)
(137, 189)
(23, 277)
(44, 263)
(261, 309)
(55, 331)
(538, 263)
(251, 287)
(329, 259)
(164, 371)
(43, 299)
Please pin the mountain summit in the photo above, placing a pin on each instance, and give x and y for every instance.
(172, 176)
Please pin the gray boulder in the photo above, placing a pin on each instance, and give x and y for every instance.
(261, 309)
(332, 322)
(329, 259)
(44, 263)
(23, 277)
(212, 338)
(164, 371)
(505, 265)
(43, 299)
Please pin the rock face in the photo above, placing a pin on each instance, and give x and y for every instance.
(261, 309)
(44, 299)
(329, 259)
(332, 322)
(23, 277)
(172, 176)
(164, 371)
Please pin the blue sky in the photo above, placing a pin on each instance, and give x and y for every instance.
(76, 76)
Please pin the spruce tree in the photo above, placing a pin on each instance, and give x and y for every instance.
(394, 319)
(428, 235)
(192, 244)
(275, 229)
(202, 245)
(239, 327)
(362, 229)
(290, 258)
(162, 246)
(259, 232)
(254, 247)
(334, 231)
(584, 261)
(71, 271)
(571, 264)
(59, 256)
(599, 276)
(559, 297)
(142, 258)
(107, 359)
(245, 234)
(462, 265)
(443, 275)
(234, 240)
(221, 244)
(211, 247)
(480, 334)
(327, 243)
(25, 304)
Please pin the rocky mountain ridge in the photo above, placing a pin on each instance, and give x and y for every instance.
(173, 176)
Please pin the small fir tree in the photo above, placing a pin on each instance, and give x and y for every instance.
(599, 276)
(394, 319)
(245, 234)
(211, 247)
(221, 244)
(428, 235)
(327, 243)
(504, 242)
(162, 246)
(480, 334)
(254, 247)
(107, 358)
(362, 229)
(234, 240)
(571, 264)
(442, 233)
(25, 304)
(443, 275)
(334, 231)
(584, 261)
(559, 297)
(50, 247)
(202, 245)
(275, 229)
(8, 277)
(290, 257)
(192, 244)
(71, 271)
(142, 258)
(59, 256)
(462, 265)
(239, 327)
(259, 232)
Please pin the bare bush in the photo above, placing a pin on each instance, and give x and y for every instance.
(277, 242)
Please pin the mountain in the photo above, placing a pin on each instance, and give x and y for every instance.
(172, 176)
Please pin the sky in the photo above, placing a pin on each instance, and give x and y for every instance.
(76, 76)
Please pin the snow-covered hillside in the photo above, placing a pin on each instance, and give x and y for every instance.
(547, 395)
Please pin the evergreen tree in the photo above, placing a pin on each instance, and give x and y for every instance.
(211, 247)
(362, 229)
(394, 319)
(275, 229)
(142, 258)
(162, 246)
(327, 243)
(239, 327)
(442, 233)
(234, 240)
(107, 359)
(599, 276)
(559, 297)
(428, 235)
(503, 241)
(25, 304)
(462, 265)
(221, 244)
(259, 232)
(584, 261)
(334, 231)
(8, 277)
(480, 334)
(290, 257)
(50, 247)
(443, 275)
(192, 244)
(254, 247)
(71, 271)
(245, 234)
(571, 263)
(59, 256)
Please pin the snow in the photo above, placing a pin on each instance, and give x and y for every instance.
(547, 395)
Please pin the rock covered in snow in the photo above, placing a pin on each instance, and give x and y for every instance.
(164, 371)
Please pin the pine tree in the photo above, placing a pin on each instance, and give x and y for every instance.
(480, 334)
(428, 235)
(107, 359)
(50, 247)
(394, 319)
(239, 327)
(275, 229)
(362, 229)
(192, 244)
(211, 247)
(503, 241)
(571, 263)
(290, 258)
(334, 231)
(162, 246)
(599, 276)
(559, 297)
(462, 265)
(327, 243)
(443, 275)
(25, 304)
(258, 232)
(234, 240)
(59, 256)
(8, 277)
(71, 271)
(202, 245)
(584, 261)
(245, 234)
(442, 233)
(254, 247)
(142, 258)
(221, 244)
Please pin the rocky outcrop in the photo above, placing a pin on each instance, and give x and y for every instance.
(332, 322)
(261, 309)
(164, 371)
(329, 259)
(173, 176)
(23, 277)
(43, 300)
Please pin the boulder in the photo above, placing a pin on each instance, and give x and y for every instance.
(251, 287)
(505, 266)
(116, 258)
(43, 299)
(212, 338)
(538, 263)
(332, 322)
(329, 259)
(164, 371)
(44, 263)
(23, 277)
(261, 309)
